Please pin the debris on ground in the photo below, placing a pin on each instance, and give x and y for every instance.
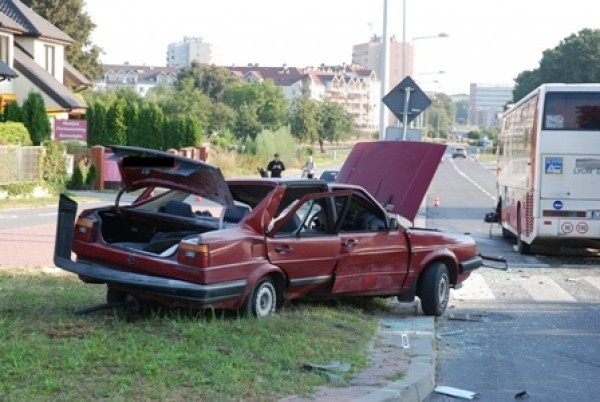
(327, 368)
(465, 317)
(522, 395)
(455, 392)
(449, 333)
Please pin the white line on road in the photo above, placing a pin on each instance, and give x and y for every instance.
(460, 172)
(48, 214)
(9, 216)
(474, 288)
(594, 280)
(542, 288)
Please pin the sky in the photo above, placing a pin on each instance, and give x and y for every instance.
(489, 42)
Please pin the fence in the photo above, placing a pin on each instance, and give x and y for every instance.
(20, 164)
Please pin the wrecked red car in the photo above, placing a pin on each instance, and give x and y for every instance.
(193, 238)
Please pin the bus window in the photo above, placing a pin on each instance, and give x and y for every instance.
(572, 111)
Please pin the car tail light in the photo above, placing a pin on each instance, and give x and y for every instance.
(193, 254)
(85, 229)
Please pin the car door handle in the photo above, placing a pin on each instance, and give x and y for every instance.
(349, 243)
(284, 249)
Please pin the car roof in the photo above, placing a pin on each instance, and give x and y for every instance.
(396, 173)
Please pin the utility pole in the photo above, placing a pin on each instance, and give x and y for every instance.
(383, 73)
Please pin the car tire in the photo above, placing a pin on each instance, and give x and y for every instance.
(434, 290)
(261, 302)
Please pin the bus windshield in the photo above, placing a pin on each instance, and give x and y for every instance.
(572, 111)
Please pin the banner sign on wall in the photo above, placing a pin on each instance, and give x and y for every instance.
(70, 130)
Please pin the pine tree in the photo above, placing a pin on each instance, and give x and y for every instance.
(35, 118)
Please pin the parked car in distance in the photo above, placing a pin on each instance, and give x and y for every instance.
(193, 238)
(329, 175)
(459, 152)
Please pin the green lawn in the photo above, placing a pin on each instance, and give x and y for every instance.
(49, 353)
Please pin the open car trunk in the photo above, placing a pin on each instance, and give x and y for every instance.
(152, 232)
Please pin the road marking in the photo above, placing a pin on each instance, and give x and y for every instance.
(542, 288)
(460, 172)
(474, 288)
(9, 216)
(593, 280)
(48, 214)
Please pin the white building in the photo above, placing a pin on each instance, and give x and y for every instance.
(487, 102)
(182, 54)
(140, 78)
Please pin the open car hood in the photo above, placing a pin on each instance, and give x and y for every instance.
(396, 173)
(142, 167)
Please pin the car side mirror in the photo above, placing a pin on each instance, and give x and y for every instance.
(394, 224)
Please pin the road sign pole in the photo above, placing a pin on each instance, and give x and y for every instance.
(405, 112)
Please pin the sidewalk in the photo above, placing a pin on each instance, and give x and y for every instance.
(403, 347)
(404, 343)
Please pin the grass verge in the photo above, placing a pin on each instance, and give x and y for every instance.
(49, 353)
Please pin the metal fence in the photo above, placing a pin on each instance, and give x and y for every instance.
(20, 164)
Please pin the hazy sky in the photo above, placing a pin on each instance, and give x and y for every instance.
(488, 42)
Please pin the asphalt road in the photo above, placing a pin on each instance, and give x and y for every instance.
(531, 329)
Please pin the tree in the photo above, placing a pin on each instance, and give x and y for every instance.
(575, 60)
(69, 17)
(189, 101)
(265, 99)
(115, 121)
(335, 123)
(97, 128)
(211, 80)
(304, 119)
(440, 116)
(12, 112)
(35, 118)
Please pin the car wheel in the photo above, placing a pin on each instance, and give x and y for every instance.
(435, 289)
(262, 300)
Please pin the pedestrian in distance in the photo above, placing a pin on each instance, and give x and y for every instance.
(309, 169)
(276, 166)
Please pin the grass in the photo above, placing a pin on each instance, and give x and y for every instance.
(49, 353)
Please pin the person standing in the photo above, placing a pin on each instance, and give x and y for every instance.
(310, 167)
(276, 166)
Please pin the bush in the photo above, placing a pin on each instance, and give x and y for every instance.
(77, 179)
(54, 167)
(91, 177)
(12, 133)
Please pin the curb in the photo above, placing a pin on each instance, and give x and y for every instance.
(419, 380)
(420, 376)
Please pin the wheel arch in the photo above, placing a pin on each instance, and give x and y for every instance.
(450, 263)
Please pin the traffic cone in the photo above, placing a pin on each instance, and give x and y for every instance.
(436, 202)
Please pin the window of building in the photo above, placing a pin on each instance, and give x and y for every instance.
(4, 43)
(50, 55)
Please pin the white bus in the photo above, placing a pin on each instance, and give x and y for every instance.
(549, 167)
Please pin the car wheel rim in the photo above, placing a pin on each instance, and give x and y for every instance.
(443, 290)
(265, 300)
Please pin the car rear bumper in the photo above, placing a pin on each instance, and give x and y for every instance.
(158, 286)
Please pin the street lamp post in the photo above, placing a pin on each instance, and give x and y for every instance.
(440, 35)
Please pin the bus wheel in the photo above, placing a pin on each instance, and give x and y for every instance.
(507, 234)
(523, 247)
